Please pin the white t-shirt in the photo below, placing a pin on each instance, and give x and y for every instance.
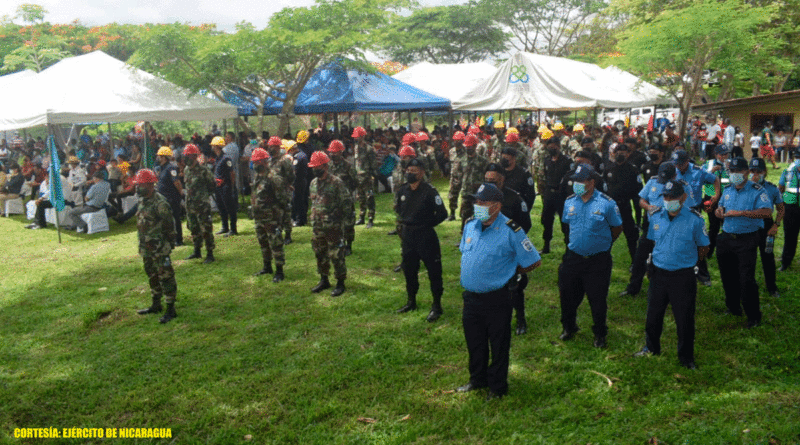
(780, 141)
(755, 142)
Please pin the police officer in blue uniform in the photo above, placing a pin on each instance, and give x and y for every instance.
(743, 207)
(494, 251)
(225, 194)
(758, 174)
(515, 209)
(594, 224)
(699, 179)
(169, 185)
(419, 209)
(789, 185)
(680, 238)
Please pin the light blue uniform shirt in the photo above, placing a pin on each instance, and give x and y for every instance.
(590, 223)
(773, 193)
(98, 194)
(696, 177)
(490, 256)
(652, 193)
(751, 197)
(676, 241)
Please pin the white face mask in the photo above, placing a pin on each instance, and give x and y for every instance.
(672, 206)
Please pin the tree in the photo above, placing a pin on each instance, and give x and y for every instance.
(445, 34)
(39, 49)
(667, 46)
(547, 27)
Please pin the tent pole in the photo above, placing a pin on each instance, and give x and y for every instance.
(449, 123)
(423, 118)
(366, 116)
(58, 176)
(409, 120)
(336, 124)
(110, 142)
(576, 117)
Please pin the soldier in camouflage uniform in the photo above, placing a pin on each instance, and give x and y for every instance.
(280, 164)
(540, 156)
(470, 169)
(200, 187)
(268, 200)
(365, 169)
(330, 201)
(522, 153)
(426, 153)
(156, 240)
(342, 169)
(456, 153)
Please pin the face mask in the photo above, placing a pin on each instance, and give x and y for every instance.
(404, 164)
(260, 168)
(553, 152)
(579, 188)
(411, 178)
(493, 183)
(755, 177)
(470, 151)
(319, 172)
(654, 157)
(505, 163)
(620, 159)
(141, 191)
(481, 213)
(737, 178)
(336, 156)
(253, 141)
(672, 206)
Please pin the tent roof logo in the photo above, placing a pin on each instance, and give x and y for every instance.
(519, 74)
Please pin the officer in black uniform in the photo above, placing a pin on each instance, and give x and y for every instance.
(517, 179)
(655, 156)
(225, 195)
(597, 161)
(169, 185)
(637, 159)
(420, 208)
(516, 210)
(301, 182)
(622, 184)
(555, 167)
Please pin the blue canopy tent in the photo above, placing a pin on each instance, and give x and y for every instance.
(335, 89)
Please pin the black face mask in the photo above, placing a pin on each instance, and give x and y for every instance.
(553, 152)
(404, 164)
(654, 158)
(260, 168)
(141, 191)
(411, 177)
(505, 163)
(319, 172)
(620, 159)
(470, 151)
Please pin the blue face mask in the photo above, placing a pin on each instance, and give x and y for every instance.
(481, 213)
(672, 206)
(579, 188)
(736, 178)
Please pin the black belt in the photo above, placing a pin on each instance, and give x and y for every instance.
(740, 235)
(686, 270)
(586, 257)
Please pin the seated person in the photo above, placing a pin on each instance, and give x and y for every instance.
(95, 199)
(12, 187)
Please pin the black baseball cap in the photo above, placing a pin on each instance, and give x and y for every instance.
(666, 171)
(673, 189)
(489, 193)
(758, 164)
(583, 172)
(738, 164)
(680, 156)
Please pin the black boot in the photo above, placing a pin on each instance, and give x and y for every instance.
(170, 314)
(370, 224)
(452, 215)
(411, 305)
(278, 274)
(322, 285)
(546, 248)
(522, 325)
(155, 308)
(222, 231)
(360, 220)
(287, 239)
(209, 257)
(436, 309)
(196, 253)
(266, 270)
(339, 289)
(348, 249)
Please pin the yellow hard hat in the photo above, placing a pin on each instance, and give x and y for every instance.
(73, 160)
(512, 130)
(164, 151)
(558, 126)
(287, 145)
(541, 129)
(218, 140)
(577, 127)
(499, 124)
(546, 134)
(302, 136)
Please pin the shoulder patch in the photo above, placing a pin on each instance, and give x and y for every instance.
(527, 245)
(514, 226)
(571, 196)
(530, 180)
(229, 163)
(757, 186)
(524, 207)
(469, 219)
(438, 200)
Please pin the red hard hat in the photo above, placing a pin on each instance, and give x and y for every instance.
(145, 176)
(409, 138)
(473, 130)
(259, 154)
(471, 141)
(191, 149)
(318, 158)
(358, 132)
(336, 146)
(458, 136)
(421, 136)
(274, 140)
(512, 137)
(407, 151)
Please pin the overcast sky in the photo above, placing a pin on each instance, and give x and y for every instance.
(225, 13)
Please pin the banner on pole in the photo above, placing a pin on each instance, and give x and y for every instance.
(56, 193)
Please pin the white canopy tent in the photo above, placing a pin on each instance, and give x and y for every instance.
(96, 87)
(448, 80)
(532, 81)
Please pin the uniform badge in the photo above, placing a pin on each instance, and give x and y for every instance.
(527, 245)
(524, 207)
(764, 198)
(480, 189)
(668, 186)
(403, 198)
(469, 240)
(609, 174)
(569, 183)
(653, 189)
(438, 200)
(174, 173)
(530, 181)
(571, 208)
(655, 227)
(230, 164)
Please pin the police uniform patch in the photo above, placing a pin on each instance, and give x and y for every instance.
(469, 240)
(230, 164)
(295, 162)
(655, 227)
(480, 189)
(653, 189)
(530, 181)
(764, 198)
(705, 230)
(403, 198)
(524, 207)
(609, 174)
(527, 245)
(571, 208)
(438, 200)
(174, 173)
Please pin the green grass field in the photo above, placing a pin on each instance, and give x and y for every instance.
(249, 361)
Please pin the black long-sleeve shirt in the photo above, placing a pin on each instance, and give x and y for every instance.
(422, 207)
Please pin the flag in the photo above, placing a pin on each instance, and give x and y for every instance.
(149, 152)
(651, 122)
(56, 194)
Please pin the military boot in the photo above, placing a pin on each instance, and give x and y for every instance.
(546, 248)
(322, 285)
(370, 224)
(266, 270)
(196, 253)
(436, 309)
(348, 249)
(339, 289)
(278, 274)
(360, 220)
(411, 305)
(154, 308)
(288, 238)
(170, 314)
(209, 257)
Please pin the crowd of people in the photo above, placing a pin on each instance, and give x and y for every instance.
(601, 182)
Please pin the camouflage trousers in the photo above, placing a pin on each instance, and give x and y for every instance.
(198, 218)
(452, 198)
(161, 276)
(349, 224)
(365, 194)
(466, 209)
(287, 218)
(328, 247)
(268, 233)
